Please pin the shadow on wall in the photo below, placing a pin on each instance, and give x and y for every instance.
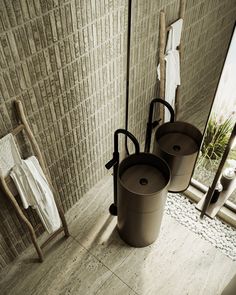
(14, 237)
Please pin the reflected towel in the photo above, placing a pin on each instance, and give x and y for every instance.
(172, 79)
(172, 70)
(174, 35)
(35, 191)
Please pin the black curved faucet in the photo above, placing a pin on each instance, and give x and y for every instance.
(115, 163)
(151, 125)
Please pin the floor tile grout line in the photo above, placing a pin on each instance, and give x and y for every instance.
(106, 265)
(99, 260)
(104, 283)
(95, 258)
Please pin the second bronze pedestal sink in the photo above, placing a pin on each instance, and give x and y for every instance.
(178, 143)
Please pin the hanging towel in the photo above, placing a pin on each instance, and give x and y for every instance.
(172, 74)
(172, 79)
(174, 35)
(9, 154)
(34, 191)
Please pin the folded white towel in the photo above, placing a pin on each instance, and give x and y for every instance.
(35, 191)
(9, 154)
(174, 35)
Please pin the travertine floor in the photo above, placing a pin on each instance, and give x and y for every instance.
(94, 260)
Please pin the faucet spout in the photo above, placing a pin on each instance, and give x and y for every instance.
(151, 125)
(114, 162)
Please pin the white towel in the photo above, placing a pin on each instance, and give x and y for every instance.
(174, 35)
(172, 79)
(9, 154)
(172, 74)
(35, 191)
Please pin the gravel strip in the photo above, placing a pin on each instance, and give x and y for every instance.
(218, 233)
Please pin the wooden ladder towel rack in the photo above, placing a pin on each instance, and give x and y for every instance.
(163, 30)
(10, 191)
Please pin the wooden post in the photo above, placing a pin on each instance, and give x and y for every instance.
(182, 8)
(29, 133)
(21, 216)
(181, 15)
(162, 43)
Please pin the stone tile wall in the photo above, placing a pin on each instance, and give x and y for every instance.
(207, 31)
(66, 61)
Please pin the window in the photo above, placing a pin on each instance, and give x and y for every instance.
(219, 127)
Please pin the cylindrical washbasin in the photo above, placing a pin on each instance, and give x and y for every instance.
(178, 143)
(142, 186)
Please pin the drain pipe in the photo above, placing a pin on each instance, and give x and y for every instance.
(127, 74)
(151, 125)
(114, 162)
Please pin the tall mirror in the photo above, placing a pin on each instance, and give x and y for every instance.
(220, 124)
(205, 94)
(203, 47)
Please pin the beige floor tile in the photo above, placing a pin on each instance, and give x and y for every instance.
(95, 228)
(114, 286)
(179, 262)
(178, 259)
(69, 269)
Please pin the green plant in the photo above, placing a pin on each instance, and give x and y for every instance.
(216, 138)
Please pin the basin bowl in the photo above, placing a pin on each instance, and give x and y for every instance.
(142, 187)
(178, 144)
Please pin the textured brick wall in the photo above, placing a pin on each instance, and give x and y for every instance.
(207, 31)
(66, 61)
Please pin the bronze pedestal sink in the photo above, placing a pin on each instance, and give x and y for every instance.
(140, 189)
(178, 143)
(143, 181)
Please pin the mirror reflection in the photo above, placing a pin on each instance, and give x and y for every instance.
(220, 125)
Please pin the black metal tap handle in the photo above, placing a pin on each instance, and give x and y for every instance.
(151, 125)
(114, 162)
